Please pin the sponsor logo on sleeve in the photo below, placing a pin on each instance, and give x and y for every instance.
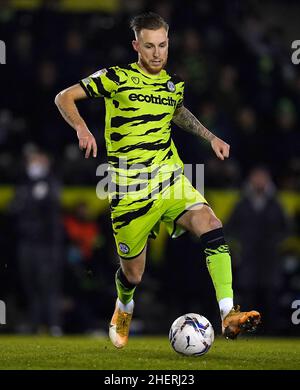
(99, 73)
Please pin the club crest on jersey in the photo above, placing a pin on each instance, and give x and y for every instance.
(124, 248)
(171, 86)
(136, 80)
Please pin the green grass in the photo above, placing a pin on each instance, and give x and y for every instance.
(149, 353)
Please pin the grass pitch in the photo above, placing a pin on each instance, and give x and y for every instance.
(145, 353)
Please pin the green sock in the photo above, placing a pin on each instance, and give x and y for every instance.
(124, 288)
(218, 262)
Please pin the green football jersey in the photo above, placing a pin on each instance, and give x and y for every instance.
(139, 109)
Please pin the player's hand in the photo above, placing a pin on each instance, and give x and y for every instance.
(87, 141)
(220, 147)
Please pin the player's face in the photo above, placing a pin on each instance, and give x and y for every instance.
(152, 47)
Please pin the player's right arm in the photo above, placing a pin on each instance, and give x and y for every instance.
(66, 103)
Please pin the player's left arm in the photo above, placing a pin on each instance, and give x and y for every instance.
(184, 119)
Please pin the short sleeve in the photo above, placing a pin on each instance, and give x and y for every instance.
(179, 89)
(180, 95)
(103, 83)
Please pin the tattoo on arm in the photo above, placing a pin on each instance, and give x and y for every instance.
(187, 121)
(71, 115)
(66, 116)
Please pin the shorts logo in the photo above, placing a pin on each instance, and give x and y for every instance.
(124, 248)
(136, 80)
(171, 86)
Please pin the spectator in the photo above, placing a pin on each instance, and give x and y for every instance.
(36, 209)
(259, 224)
(86, 271)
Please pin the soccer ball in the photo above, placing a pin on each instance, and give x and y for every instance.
(191, 334)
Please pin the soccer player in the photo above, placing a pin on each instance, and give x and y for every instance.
(148, 184)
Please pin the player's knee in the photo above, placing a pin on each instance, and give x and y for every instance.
(195, 222)
(206, 221)
(214, 223)
(134, 277)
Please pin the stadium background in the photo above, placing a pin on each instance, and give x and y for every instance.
(241, 83)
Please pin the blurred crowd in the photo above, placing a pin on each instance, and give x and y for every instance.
(58, 265)
(234, 58)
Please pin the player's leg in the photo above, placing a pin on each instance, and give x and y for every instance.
(203, 223)
(131, 228)
(128, 276)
